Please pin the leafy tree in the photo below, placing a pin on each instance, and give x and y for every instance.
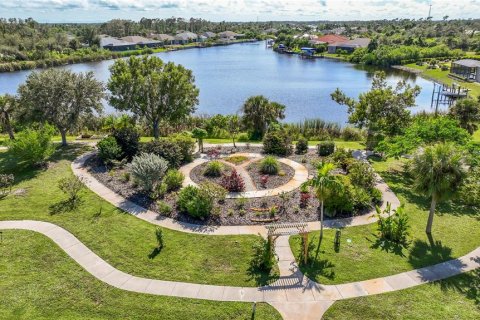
(425, 130)
(259, 113)
(467, 113)
(61, 97)
(437, 173)
(234, 127)
(8, 104)
(382, 110)
(152, 89)
(324, 184)
(199, 134)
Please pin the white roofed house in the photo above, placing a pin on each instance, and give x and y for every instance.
(349, 45)
(229, 35)
(115, 44)
(185, 37)
(142, 41)
(209, 34)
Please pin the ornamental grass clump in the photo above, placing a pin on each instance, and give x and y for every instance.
(213, 169)
(148, 170)
(173, 179)
(269, 165)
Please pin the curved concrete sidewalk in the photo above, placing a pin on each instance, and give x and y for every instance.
(294, 295)
(300, 176)
(79, 169)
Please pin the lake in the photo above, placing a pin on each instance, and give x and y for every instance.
(227, 75)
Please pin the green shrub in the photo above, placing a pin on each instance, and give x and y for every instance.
(148, 170)
(164, 208)
(262, 255)
(376, 196)
(128, 140)
(159, 191)
(166, 149)
(242, 137)
(325, 148)
(343, 158)
(340, 202)
(394, 226)
(173, 179)
(277, 142)
(71, 186)
(269, 165)
(213, 169)
(361, 198)
(351, 134)
(470, 190)
(33, 147)
(195, 201)
(186, 144)
(362, 175)
(302, 146)
(109, 150)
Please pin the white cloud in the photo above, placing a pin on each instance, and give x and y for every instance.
(241, 9)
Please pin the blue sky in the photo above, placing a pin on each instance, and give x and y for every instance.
(235, 10)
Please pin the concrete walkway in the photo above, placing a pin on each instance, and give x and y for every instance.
(293, 295)
(79, 169)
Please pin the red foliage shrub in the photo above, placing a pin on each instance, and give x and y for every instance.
(233, 182)
(304, 198)
(264, 180)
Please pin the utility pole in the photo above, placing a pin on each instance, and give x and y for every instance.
(429, 12)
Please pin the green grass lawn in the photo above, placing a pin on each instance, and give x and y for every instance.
(362, 255)
(40, 281)
(476, 136)
(454, 298)
(442, 76)
(127, 242)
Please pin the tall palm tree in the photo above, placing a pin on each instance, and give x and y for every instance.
(438, 172)
(324, 183)
(7, 105)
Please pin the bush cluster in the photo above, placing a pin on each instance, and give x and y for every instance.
(197, 202)
(325, 148)
(128, 139)
(109, 150)
(173, 179)
(167, 149)
(302, 146)
(33, 147)
(277, 142)
(393, 226)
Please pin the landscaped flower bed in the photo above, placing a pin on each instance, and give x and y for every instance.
(293, 206)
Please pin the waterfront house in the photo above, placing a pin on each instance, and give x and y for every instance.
(114, 44)
(142, 41)
(349, 45)
(164, 38)
(331, 38)
(229, 35)
(185, 37)
(467, 69)
(209, 34)
(308, 52)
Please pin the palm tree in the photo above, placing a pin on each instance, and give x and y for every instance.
(438, 171)
(324, 183)
(7, 105)
(259, 113)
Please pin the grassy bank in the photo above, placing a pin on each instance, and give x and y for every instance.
(40, 281)
(454, 298)
(362, 255)
(442, 76)
(124, 241)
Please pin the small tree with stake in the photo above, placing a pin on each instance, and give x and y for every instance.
(199, 134)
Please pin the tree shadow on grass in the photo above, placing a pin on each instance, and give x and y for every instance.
(316, 266)
(260, 276)
(430, 252)
(64, 206)
(154, 253)
(389, 246)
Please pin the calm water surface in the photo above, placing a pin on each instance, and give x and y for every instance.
(228, 75)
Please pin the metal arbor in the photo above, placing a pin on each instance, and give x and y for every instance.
(288, 229)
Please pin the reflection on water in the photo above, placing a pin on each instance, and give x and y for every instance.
(228, 75)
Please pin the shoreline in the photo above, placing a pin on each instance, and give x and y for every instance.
(105, 56)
